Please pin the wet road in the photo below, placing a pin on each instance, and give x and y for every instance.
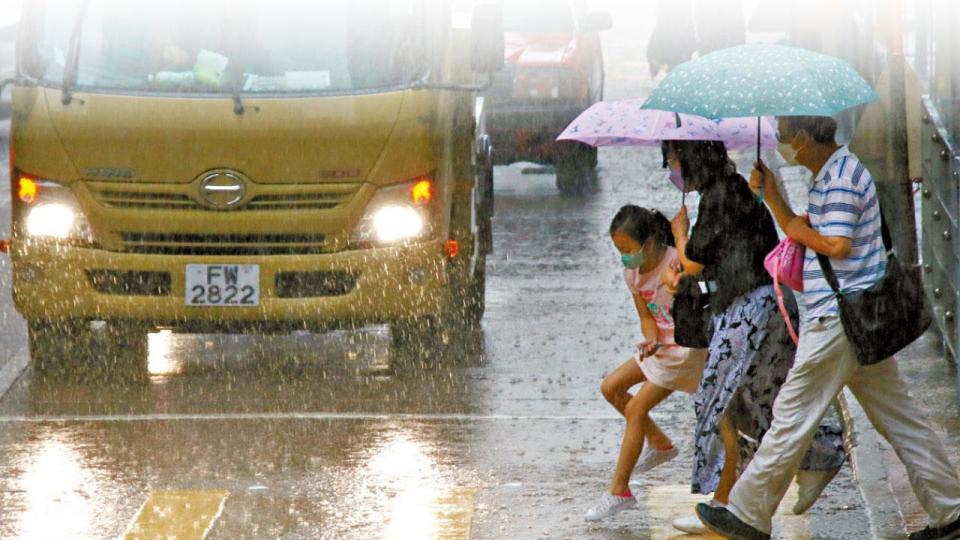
(501, 434)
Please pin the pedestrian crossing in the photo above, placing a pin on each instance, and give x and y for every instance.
(666, 503)
(184, 515)
(192, 515)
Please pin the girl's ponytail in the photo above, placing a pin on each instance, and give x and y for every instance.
(663, 229)
(641, 223)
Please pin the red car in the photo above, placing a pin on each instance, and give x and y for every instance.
(554, 71)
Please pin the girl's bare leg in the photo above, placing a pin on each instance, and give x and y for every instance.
(615, 389)
(731, 459)
(636, 411)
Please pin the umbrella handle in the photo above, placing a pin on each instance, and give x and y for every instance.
(759, 136)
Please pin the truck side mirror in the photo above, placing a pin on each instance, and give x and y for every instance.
(487, 47)
(598, 21)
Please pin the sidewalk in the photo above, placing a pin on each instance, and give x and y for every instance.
(891, 505)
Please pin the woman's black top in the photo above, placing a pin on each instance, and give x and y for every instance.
(733, 235)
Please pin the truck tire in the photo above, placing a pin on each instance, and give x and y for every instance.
(127, 351)
(71, 349)
(415, 338)
(463, 301)
(57, 347)
(477, 303)
(576, 171)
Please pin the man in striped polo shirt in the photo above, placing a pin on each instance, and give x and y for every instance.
(845, 225)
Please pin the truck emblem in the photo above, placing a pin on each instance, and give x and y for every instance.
(222, 189)
(110, 173)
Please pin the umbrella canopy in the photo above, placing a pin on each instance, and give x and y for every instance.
(627, 123)
(762, 80)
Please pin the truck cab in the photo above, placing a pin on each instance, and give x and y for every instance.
(263, 166)
(554, 71)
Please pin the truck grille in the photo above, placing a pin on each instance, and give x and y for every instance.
(314, 284)
(263, 197)
(230, 244)
(130, 283)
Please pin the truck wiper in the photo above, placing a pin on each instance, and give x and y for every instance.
(73, 56)
(238, 107)
(424, 83)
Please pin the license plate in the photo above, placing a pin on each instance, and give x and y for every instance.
(219, 285)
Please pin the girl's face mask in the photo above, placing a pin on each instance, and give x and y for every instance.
(637, 259)
(634, 261)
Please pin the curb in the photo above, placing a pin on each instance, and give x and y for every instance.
(14, 356)
(866, 457)
(12, 369)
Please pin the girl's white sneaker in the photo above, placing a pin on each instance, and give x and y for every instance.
(652, 458)
(609, 505)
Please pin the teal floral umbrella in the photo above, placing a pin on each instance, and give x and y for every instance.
(761, 80)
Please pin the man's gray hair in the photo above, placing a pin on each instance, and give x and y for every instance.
(822, 129)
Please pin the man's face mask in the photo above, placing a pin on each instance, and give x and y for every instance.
(787, 152)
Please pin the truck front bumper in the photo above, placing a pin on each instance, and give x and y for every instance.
(300, 291)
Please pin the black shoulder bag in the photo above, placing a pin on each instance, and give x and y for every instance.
(882, 320)
(692, 320)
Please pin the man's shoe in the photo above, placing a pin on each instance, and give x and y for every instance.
(810, 485)
(724, 523)
(947, 532)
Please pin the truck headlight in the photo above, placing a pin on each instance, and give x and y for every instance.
(50, 210)
(52, 219)
(397, 214)
(394, 223)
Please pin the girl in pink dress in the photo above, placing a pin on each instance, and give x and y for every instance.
(645, 242)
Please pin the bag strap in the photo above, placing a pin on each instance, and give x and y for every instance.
(827, 267)
(780, 302)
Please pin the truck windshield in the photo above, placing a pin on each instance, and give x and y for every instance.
(227, 46)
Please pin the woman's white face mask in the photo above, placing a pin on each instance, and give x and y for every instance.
(787, 152)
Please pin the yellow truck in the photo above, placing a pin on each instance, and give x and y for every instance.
(256, 166)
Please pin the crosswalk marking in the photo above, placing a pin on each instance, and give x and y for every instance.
(666, 503)
(179, 515)
(454, 514)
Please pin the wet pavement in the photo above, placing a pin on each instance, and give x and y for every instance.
(933, 383)
(501, 433)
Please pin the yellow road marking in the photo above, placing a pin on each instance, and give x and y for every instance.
(667, 503)
(791, 526)
(177, 515)
(454, 514)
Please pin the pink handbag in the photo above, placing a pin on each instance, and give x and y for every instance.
(785, 264)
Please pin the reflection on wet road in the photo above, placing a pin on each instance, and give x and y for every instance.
(500, 433)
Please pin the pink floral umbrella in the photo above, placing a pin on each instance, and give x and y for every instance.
(625, 123)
